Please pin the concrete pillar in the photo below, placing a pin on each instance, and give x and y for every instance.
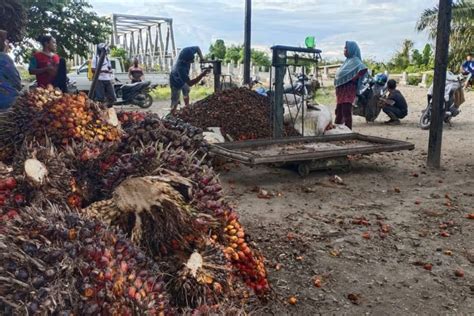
(229, 69)
(424, 81)
(404, 79)
(325, 73)
(386, 72)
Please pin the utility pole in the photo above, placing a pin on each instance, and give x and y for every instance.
(247, 39)
(439, 83)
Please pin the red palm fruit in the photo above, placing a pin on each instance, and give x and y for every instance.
(10, 183)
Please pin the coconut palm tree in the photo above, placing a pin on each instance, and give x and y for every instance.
(462, 29)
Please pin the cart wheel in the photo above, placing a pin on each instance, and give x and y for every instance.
(303, 169)
(346, 168)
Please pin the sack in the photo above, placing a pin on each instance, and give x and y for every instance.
(214, 136)
(316, 119)
(338, 130)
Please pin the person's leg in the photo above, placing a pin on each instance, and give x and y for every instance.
(393, 113)
(109, 93)
(347, 114)
(338, 119)
(99, 93)
(186, 89)
(175, 95)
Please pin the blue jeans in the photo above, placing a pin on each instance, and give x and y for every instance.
(394, 113)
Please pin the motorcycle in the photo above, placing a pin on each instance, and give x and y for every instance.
(138, 93)
(366, 104)
(454, 84)
(303, 85)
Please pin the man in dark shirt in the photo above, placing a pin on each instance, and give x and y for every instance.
(179, 76)
(395, 105)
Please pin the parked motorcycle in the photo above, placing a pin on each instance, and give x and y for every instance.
(366, 104)
(136, 94)
(303, 85)
(454, 84)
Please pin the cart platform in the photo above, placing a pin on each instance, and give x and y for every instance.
(305, 151)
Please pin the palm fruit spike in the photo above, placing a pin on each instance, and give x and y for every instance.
(48, 248)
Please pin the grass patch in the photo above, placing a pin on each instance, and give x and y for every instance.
(197, 93)
(326, 96)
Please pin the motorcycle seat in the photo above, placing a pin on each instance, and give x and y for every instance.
(126, 88)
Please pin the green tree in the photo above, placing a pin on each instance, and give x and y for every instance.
(260, 58)
(427, 54)
(401, 60)
(218, 49)
(417, 58)
(14, 19)
(462, 29)
(71, 22)
(234, 54)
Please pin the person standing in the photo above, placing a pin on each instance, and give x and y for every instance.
(104, 91)
(44, 64)
(10, 81)
(348, 82)
(395, 105)
(179, 76)
(467, 69)
(135, 73)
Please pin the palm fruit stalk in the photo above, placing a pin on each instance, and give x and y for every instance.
(55, 261)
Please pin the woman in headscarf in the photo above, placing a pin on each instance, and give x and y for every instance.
(10, 81)
(348, 82)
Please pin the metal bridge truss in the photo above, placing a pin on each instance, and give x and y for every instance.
(150, 39)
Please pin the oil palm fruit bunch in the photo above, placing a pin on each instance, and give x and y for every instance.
(197, 270)
(54, 261)
(44, 174)
(62, 117)
(151, 128)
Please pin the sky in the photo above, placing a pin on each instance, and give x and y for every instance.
(379, 26)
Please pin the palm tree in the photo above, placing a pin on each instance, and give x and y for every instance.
(462, 29)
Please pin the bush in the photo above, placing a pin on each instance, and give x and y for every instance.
(414, 81)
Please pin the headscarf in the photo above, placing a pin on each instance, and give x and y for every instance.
(351, 67)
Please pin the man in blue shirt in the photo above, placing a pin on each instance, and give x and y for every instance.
(467, 68)
(179, 76)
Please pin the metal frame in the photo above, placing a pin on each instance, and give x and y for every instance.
(129, 32)
(281, 61)
(240, 150)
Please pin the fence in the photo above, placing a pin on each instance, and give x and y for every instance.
(325, 73)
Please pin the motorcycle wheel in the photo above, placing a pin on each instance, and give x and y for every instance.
(425, 119)
(147, 103)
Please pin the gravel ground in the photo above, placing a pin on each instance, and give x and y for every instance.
(387, 242)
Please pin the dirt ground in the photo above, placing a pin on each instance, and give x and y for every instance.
(386, 242)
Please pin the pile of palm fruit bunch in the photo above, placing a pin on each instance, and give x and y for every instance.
(134, 222)
(241, 113)
(63, 118)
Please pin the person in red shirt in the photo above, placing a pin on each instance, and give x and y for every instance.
(44, 64)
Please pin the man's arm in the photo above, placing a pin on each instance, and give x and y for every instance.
(198, 78)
